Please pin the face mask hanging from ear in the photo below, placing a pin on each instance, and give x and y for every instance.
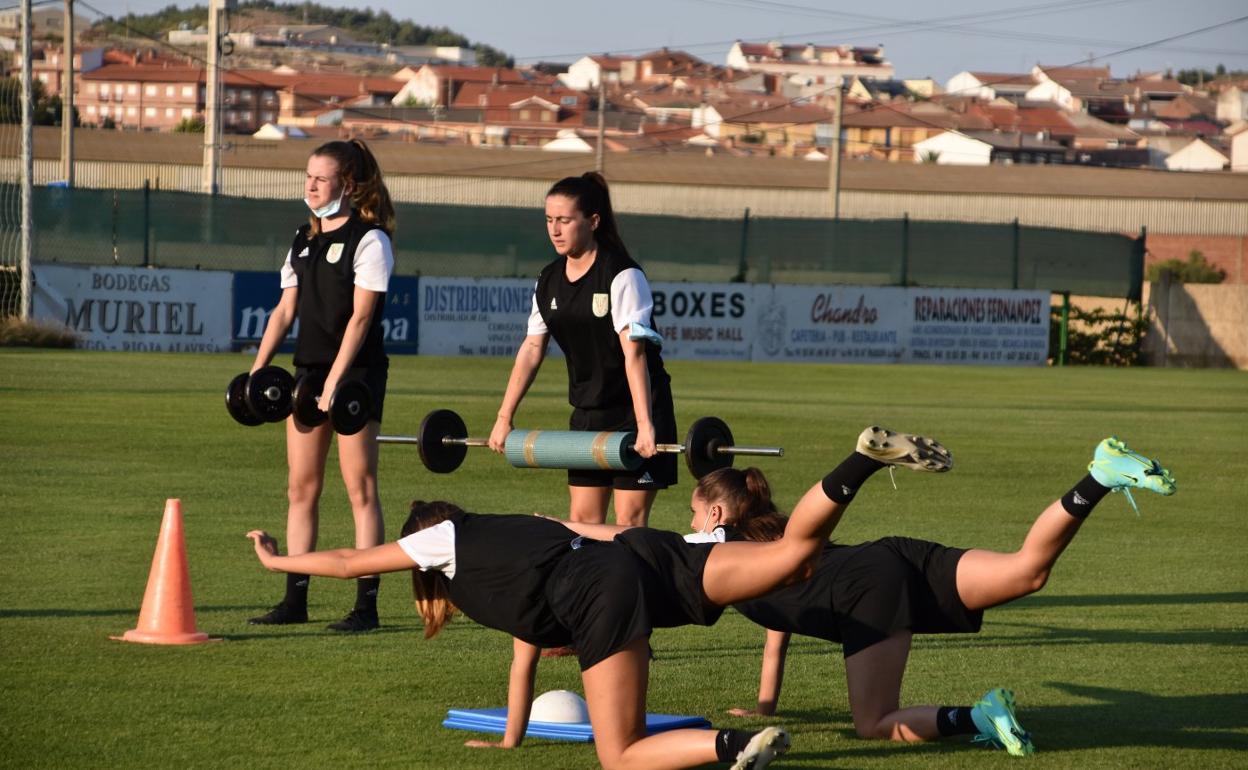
(329, 209)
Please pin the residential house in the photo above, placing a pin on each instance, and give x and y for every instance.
(1239, 146)
(872, 90)
(891, 131)
(1199, 155)
(811, 64)
(763, 121)
(437, 84)
(46, 21)
(1186, 107)
(988, 86)
(585, 73)
(1233, 103)
(981, 148)
(1083, 89)
(49, 69)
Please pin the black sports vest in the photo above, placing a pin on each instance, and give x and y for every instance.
(578, 315)
(502, 564)
(325, 267)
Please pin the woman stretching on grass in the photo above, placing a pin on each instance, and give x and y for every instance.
(547, 586)
(871, 598)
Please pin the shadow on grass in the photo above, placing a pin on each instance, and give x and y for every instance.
(1116, 717)
(1124, 600)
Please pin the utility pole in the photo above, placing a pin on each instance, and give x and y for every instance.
(834, 151)
(67, 98)
(602, 119)
(28, 164)
(210, 178)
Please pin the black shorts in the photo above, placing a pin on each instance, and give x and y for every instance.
(597, 592)
(374, 377)
(658, 472)
(900, 583)
(674, 570)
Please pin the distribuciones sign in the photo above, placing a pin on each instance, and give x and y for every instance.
(474, 316)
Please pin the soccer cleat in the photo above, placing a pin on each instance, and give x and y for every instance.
(282, 614)
(917, 453)
(994, 716)
(766, 745)
(356, 620)
(1115, 466)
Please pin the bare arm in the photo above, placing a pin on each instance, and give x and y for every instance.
(278, 325)
(772, 676)
(364, 306)
(528, 361)
(339, 563)
(639, 386)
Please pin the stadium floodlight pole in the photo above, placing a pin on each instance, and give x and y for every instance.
(212, 102)
(28, 161)
(67, 97)
(834, 151)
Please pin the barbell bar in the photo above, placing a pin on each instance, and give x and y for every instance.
(443, 444)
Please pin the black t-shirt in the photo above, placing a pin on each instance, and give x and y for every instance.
(578, 314)
(325, 267)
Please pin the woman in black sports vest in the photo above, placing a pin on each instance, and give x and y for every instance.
(595, 301)
(334, 286)
(873, 597)
(604, 589)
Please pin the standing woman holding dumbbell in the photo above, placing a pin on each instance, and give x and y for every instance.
(334, 285)
(596, 302)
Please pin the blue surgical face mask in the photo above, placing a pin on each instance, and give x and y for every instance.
(329, 209)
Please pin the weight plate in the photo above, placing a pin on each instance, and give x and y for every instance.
(351, 407)
(704, 438)
(436, 455)
(307, 390)
(236, 404)
(268, 393)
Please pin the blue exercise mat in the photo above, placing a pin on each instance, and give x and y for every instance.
(495, 721)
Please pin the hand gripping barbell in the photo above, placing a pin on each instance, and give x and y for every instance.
(443, 443)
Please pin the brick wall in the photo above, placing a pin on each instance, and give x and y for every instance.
(1229, 252)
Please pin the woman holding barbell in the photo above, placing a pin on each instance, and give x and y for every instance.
(596, 303)
(871, 598)
(604, 591)
(334, 285)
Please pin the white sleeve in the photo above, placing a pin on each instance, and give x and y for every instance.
(432, 548)
(289, 279)
(374, 261)
(536, 323)
(631, 301)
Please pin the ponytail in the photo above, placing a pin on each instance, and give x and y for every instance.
(592, 196)
(431, 589)
(369, 196)
(748, 496)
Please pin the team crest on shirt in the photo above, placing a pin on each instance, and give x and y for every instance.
(602, 303)
(334, 254)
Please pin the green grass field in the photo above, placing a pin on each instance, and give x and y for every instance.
(1135, 655)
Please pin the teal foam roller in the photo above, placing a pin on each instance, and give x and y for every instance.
(573, 449)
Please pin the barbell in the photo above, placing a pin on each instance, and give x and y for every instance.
(443, 443)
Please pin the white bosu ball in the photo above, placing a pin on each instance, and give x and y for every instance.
(562, 706)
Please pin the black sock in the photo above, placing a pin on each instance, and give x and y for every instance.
(955, 720)
(1080, 500)
(296, 591)
(843, 482)
(730, 743)
(366, 593)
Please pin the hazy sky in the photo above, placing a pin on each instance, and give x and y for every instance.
(920, 38)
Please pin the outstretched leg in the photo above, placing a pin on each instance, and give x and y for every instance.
(987, 579)
(738, 571)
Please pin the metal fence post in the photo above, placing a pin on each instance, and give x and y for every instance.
(905, 248)
(147, 222)
(1017, 235)
(1063, 334)
(743, 264)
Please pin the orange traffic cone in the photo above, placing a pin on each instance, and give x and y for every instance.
(168, 614)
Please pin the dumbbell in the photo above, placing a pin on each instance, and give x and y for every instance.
(259, 397)
(350, 408)
(271, 394)
(443, 444)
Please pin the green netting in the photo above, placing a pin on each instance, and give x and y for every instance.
(170, 229)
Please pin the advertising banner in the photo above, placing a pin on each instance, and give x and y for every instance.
(852, 324)
(704, 320)
(257, 293)
(123, 308)
(475, 316)
(977, 326)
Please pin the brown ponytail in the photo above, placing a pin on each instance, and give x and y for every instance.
(592, 196)
(369, 196)
(747, 495)
(431, 589)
